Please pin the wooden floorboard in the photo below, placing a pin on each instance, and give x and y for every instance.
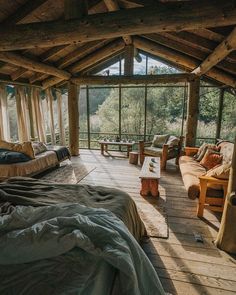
(184, 266)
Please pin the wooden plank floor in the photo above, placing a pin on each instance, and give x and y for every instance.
(183, 265)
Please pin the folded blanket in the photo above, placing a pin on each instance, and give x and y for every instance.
(71, 249)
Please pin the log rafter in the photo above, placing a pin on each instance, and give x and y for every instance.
(187, 49)
(182, 59)
(143, 20)
(220, 52)
(25, 62)
(112, 5)
(134, 79)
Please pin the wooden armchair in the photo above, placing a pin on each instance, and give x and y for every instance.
(166, 153)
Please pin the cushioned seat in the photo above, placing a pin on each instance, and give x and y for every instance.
(153, 151)
(191, 170)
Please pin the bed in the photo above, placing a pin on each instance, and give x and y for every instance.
(71, 239)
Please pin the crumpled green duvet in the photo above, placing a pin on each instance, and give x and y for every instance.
(71, 249)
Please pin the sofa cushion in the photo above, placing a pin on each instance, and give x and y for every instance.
(226, 149)
(220, 171)
(211, 159)
(10, 157)
(173, 141)
(153, 151)
(159, 140)
(202, 150)
(191, 170)
(25, 147)
(39, 147)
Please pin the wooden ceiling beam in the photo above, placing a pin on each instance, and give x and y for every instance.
(80, 52)
(23, 11)
(181, 16)
(181, 59)
(104, 52)
(220, 52)
(91, 59)
(27, 63)
(198, 42)
(134, 79)
(24, 82)
(112, 5)
(187, 49)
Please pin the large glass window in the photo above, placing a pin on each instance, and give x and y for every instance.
(228, 127)
(164, 110)
(103, 113)
(132, 112)
(208, 112)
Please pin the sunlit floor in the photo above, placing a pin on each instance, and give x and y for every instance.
(184, 265)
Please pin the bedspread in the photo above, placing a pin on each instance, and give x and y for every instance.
(48, 246)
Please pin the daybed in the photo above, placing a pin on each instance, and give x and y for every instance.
(30, 163)
(210, 188)
(71, 239)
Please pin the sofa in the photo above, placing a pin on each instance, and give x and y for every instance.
(211, 190)
(37, 158)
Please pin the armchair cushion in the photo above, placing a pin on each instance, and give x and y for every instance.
(153, 151)
(173, 141)
(159, 140)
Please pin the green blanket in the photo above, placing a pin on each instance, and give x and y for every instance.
(70, 248)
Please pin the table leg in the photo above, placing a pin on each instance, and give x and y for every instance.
(102, 148)
(128, 150)
(153, 186)
(144, 187)
(106, 147)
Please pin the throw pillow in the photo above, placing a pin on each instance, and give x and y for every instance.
(202, 150)
(173, 141)
(159, 140)
(25, 147)
(39, 147)
(211, 159)
(220, 171)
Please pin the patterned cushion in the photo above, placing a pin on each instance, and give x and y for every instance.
(220, 171)
(25, 147)
(211, 159)
(173, 141)
(202, 150)
(39, 147)
(159, 140)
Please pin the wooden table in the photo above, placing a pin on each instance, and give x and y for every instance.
(104, 145)
(150, 179)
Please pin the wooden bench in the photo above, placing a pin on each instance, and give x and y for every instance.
(150, 179)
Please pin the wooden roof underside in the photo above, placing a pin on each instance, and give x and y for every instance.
(46, 65)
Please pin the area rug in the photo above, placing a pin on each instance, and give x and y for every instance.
(155, 219)
(68, 173)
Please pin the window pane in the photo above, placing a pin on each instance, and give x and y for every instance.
(11, 103)
(132, 112)
(104, 114)
(164, 110)
(83, 126)
(228, 127)
(208, 112)
(140, 67)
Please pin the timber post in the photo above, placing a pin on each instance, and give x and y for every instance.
(192, 112)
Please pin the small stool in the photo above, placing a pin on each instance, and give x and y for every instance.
(133, 158)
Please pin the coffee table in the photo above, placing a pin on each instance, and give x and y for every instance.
(104, 145)
(150, 179)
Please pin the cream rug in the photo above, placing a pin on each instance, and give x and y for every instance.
(68, 173)
(154, 217)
